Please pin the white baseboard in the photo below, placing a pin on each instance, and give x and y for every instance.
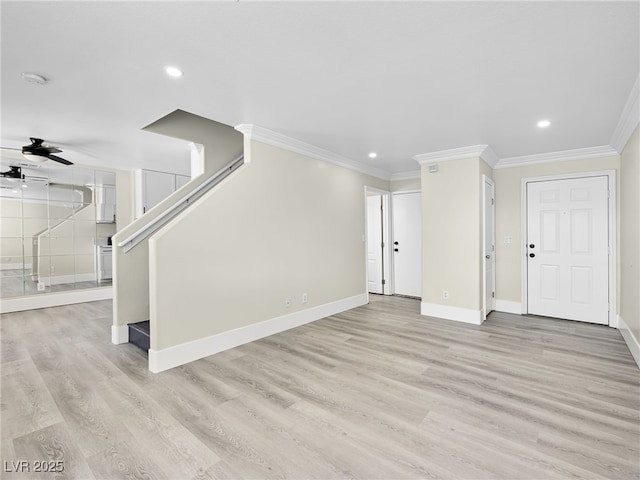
(508, 306)
(458, 314)
(166, 358)
(630, 339)
(61, 279)
(44, 300)
(119, 334)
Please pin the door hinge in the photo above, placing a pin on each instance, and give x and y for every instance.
(493, 248)
(492, 201)
(493, 294)
(382, 244)
(384, 282)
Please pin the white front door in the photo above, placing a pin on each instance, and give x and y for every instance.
(374, 244)
(407, 244)
(568, 249)
(488, 222)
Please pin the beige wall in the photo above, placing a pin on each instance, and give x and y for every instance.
(508, 215)
(630, 234)
(406, 185)
(282, 225)
(125, 198)
(222, 143)
(452, 233)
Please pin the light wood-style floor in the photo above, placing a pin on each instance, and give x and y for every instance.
(376, 392)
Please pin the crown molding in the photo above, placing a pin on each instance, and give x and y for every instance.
(406, 175)
(577, 154)
(629, 119)
(482, 151)
(264, 135)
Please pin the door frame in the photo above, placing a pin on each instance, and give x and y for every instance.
(613, 255)
(486, 180)
(393, 265)
(387, 287)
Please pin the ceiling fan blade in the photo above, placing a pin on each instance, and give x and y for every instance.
(51, 149)
(59, 160)
(9, 148)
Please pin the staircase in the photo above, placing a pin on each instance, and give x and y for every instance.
(139, 335)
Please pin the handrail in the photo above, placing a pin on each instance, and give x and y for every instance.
(145, 231)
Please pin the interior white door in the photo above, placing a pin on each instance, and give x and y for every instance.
(375, 266)
(568, 249)
(407, 244)
(489, 247)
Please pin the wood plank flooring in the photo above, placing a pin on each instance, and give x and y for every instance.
(377, 392)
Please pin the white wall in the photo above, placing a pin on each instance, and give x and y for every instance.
(283, 224)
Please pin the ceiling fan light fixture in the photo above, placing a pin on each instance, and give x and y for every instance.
(34, 158)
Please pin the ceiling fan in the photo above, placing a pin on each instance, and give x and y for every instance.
(38, 152)
(14, 172)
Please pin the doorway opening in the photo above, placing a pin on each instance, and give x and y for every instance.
(378, 241)
(488, 246)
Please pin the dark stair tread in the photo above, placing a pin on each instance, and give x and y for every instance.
(139, 335)
(141, 326)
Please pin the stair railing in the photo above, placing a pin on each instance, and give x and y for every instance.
(171, 212)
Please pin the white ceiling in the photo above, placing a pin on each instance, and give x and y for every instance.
(397, 78)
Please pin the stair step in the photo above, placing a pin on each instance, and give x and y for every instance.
(139, 335)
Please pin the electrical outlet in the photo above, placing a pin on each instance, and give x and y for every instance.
(53, 268)
(305, 298)
(287, 302)
(445, 294)
(41, 286)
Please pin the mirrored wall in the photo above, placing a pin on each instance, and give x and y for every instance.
(56, 222)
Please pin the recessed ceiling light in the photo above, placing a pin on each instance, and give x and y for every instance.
(173, 71)
(544, 123)
(373, 155)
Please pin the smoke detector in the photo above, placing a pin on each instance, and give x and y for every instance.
(33, 78)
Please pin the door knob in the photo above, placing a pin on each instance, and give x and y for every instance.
(532, 255)
(531, 245)
(395, 243)
(487, 257)
(395, 249)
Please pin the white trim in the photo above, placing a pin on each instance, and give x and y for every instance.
(119, 334)
(630, 339)
(166, 358)
(458, 314)
(577, 154)
(49, 280)
(31, 302)
(629, 119)
(612, 214)
(260, 134)
(482, 151)
(487, 181)
(508, 306)
(406, 175)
